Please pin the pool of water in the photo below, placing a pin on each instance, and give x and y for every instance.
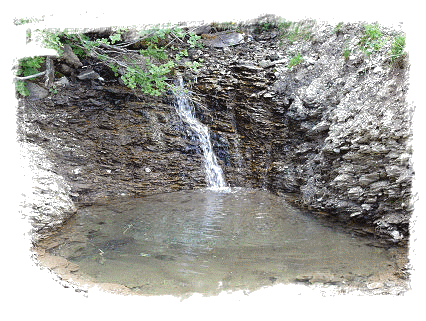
(207, 241)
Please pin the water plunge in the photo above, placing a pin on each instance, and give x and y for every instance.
(214, 174)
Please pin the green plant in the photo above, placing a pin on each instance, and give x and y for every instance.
(193, 40)
(115, 37)
(297, 31)
(371, 40)
(264, 26)
(150, 75)
(192, 65)
(297, 59)
(397, 48)
(151, 82)
(338, 27)
(180, 54)
(27, 67)
(52, 40)
(283, 24)
(155, 52)
(21, 88)
(346, 51)
(53, 89)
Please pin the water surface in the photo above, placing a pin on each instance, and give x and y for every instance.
(207, 241)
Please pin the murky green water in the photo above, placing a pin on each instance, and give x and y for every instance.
(206, 241)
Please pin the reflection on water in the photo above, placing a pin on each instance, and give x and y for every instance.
(206, 241)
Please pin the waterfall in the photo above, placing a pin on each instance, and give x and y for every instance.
(214, 174)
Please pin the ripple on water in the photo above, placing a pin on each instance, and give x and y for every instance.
(211, 240)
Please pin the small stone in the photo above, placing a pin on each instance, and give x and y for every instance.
(265, 64)
(76, 170)
(148, 170)
(343, 178)
(64, 82)
(355, 192)
(377, 69)
(396, 236)
(367, 179)
(378, 186)
(366, 207)
(88, 74)
(319, 128)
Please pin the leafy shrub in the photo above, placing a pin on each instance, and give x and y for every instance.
(27, 67)
(150, 76)
(193, 40)
(155, 52)
(151, 82)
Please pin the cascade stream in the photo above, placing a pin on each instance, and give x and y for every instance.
(214, 174)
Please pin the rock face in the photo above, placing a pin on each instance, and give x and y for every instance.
(107, 142)
(333, 132)
(336, 132)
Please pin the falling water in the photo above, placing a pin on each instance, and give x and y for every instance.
(214, 174)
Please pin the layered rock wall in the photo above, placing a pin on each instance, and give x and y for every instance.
(336, 131)
(332, 132)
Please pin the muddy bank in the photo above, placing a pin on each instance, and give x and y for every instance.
(333, 132)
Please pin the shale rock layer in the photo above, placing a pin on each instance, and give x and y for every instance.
(332, 132)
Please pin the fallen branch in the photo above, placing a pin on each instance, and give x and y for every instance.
(31, 76)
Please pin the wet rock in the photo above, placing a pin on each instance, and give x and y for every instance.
(246, 66)
(36, 92)
(204, 29)
(65, 69)
(70, 58)
(222, 39)
(88, 74)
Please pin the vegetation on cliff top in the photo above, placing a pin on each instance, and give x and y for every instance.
(145, 59)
